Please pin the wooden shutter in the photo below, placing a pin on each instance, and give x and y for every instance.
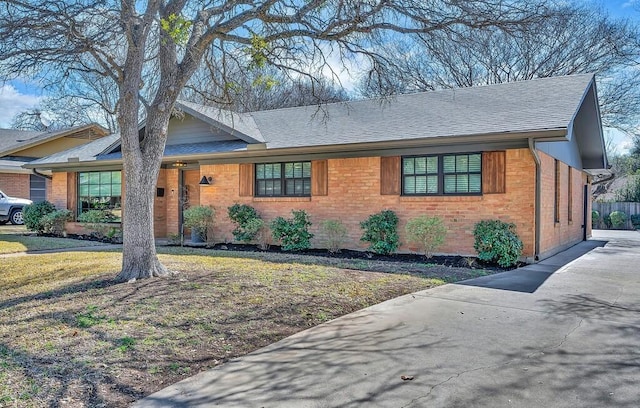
(390, 175)
(319, 178)
(246, 180)
(494, 167)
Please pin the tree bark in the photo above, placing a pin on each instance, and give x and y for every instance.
(139, 258)
(141, 169)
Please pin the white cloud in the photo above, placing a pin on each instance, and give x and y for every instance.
(620, 142)
(13, 102)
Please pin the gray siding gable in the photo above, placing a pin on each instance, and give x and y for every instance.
(188, 129)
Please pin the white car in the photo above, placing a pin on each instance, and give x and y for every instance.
(11, 209)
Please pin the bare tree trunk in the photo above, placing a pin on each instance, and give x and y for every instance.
(139, 258)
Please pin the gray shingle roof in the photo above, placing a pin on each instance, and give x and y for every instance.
(516, 107)
(539, 104)
(85, 152)
(10, 138)
(15, 139)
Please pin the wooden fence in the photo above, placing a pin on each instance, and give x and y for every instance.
(605, 209)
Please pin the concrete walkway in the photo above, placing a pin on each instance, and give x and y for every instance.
(535, 337)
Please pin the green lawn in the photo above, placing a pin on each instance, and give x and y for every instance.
(69, 333)
(17, 242)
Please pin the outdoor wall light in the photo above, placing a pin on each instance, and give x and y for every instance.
(179, 164)
(205, 181)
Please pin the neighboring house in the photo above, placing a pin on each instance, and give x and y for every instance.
(19, 147)
(521, 152)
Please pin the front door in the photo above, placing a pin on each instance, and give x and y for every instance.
(189, 191)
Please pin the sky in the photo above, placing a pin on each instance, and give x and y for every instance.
(17, 96)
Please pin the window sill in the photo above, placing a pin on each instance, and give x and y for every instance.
(281, 199)
(453, 198)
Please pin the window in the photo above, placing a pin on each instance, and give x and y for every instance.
(37, 188)
(283, 179)
(100, 190)
(442, 174)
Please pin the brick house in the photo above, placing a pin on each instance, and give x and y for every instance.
(19, 147)
(522, 152)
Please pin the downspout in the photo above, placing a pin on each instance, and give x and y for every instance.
(37, 173)
(536, 159)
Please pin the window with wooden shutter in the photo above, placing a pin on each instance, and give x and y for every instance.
(390, 175)
(494, 166)
(319, 178)
(246, 180)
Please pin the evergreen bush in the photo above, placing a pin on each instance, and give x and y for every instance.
(293, 233)
(32, 215)
(497, 242)
(381, 232)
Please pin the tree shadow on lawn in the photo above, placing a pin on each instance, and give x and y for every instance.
(332, 365)
(70, 342)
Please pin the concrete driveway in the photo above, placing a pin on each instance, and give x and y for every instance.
(527, 338)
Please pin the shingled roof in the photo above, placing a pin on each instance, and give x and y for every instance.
(13, 140)
(10, 138)
(516, 107)
(500, 112)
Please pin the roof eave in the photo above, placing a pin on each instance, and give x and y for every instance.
(54, 136)
(556, 134)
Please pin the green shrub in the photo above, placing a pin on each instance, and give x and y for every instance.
(381, 232)
(97, 222)
(497, 241)
(260, 231)
(606, 220)
(244, 216)
(428, 233)
(335, 235)
(54, 222)
(618, 219)
(174, 239)
(635, 221)
(33, 214)
(293, 233)
(595, 218)
(200, 218)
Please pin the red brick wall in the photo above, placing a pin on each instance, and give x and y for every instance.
(160, 207)
(172, 201)
(555, 235)
(15, 185)
(354, 194)
(48, 184)
(58, 192)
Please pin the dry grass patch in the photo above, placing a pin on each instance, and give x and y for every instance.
(12, 243)
(71, 336)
